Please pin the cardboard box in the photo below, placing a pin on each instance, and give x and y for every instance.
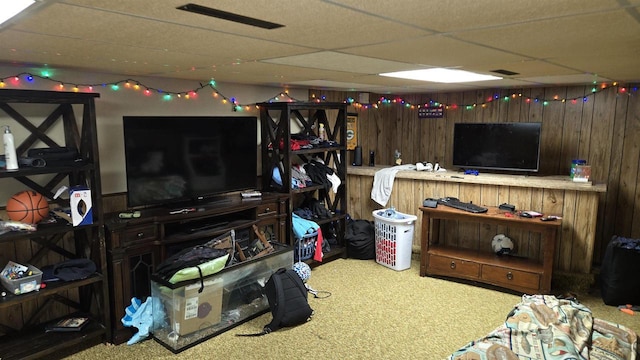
(190, 310)
(81, 206)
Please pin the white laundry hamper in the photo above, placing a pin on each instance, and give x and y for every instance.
(393, 238)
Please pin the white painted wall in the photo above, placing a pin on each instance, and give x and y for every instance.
(112, 105)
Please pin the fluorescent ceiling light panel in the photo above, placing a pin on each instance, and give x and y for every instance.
(330, 60)
(441, 75)
(11, 8)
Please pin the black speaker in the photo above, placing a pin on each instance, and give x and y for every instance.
(357, 156)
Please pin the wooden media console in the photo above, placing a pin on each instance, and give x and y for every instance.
(480, 264)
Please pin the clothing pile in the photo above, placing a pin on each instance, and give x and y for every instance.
(301, 141)
(315, 172)
(321, 174)
(312, 209)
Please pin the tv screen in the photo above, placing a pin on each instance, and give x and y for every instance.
(174, 158)
(497, 146)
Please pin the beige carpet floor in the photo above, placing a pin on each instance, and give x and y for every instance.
(373, 313)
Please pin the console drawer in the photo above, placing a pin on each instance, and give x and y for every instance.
(267, 209)
(509, 277)
(447, 266)
(139, 235)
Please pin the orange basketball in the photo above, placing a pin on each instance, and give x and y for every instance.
(28, 207)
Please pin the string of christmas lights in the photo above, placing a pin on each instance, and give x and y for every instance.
(167, 95)
(496, 97)
(15, 80)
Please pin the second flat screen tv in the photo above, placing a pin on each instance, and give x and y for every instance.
(497, 146)
(188, 158)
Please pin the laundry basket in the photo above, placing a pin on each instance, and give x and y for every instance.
(393, 238)
(305, 248)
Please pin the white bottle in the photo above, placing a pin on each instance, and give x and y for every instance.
(10, 156)
(321, 133)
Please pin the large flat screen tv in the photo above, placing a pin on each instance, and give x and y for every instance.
(173, 159)
(497, 146)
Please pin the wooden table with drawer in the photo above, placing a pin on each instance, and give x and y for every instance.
(516, 273)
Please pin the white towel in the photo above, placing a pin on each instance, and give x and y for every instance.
(335, 181)
(383, 183)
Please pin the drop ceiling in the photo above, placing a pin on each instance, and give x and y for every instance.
(331, 44)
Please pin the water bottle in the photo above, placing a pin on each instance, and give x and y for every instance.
(321, 133)
(10, 156)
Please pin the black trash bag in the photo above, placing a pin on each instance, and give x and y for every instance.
(619, 280)
(360, 239)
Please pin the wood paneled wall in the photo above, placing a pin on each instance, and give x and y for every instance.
(604, 129)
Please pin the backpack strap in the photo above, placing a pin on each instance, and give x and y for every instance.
(295, 278)
(264, 332)
(201, 279)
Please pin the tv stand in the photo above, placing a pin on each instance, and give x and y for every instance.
(520, 274)
(207, 227)
(198, 204)
(136, 246)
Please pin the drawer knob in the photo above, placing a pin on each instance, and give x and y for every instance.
(140, 235)
(509, 276)
(267, 209)
(452, 265)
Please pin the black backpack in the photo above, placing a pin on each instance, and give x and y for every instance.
(288, 303)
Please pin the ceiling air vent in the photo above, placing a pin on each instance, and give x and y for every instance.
(203, 10)
(505, 72)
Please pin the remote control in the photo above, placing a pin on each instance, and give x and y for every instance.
(250, 194)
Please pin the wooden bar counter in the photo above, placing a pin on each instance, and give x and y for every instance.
(576, 203)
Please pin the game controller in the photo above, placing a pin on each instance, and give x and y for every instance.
(471, 172)
(430, 203)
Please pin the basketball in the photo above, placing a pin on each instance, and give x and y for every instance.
(28, 207)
